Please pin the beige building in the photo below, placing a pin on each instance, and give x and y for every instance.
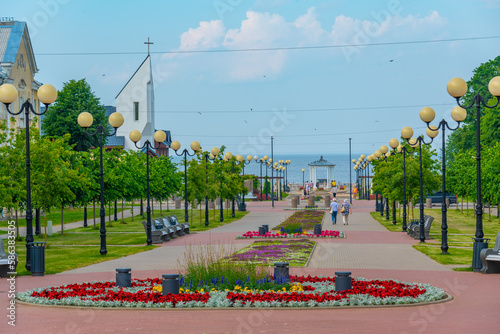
(18, 67)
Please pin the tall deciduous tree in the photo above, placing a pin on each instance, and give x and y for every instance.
(61, 118)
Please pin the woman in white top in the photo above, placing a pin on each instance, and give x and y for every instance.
(347, 210)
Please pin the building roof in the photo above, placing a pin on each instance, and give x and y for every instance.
(12, 34)
(321, 163)
(113, 140)
(121, 90)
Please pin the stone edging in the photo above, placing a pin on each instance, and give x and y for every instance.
(445, 300)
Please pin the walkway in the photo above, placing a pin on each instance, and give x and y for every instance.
(368, 251)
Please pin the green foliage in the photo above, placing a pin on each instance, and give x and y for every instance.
(61, 117)
(464, 138)
(388, 175)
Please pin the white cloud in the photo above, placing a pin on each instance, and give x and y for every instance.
(267, 30)
(207, 35)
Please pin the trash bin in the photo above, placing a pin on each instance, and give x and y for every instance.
(281, 272)
(266, 228)
(123, 277)
(343, 280)
(177, 204)
(317, 229)
(262, 230)
(170, 284)
(327, 201)
(37, 251)
(242, 206)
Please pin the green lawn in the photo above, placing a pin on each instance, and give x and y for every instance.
(461, 230)
(70, 216)
(62, 258)
(80, 247)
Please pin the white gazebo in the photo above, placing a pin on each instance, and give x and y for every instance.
(321, 163)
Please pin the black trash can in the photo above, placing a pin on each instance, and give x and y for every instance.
(281, 272)
(242, 207)
(123, 277)
(343, 280)
(37, 250)
(266, 228)
(317, 229)
(477, 247)
(262, 230)
(170, 284)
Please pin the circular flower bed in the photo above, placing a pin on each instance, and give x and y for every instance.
(303, 292)
(305, 234)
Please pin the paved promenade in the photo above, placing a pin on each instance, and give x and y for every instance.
(368, 251)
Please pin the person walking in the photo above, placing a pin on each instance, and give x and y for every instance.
(334, 208)
(334, 191)
(345, 210)
(307, 188)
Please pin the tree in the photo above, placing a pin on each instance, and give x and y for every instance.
(464, 138)
(61, 117)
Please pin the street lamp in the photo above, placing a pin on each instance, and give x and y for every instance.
(159, 136)
(406, 133)
(47, 94)
(85, 120)
(303, 181)
(244, 162)
(457, 88)
(394, 143)
(261, 162)
(212, 156)
(195, 146)
(285, 164)
(427, 115)
(272, 172)
(266, 162)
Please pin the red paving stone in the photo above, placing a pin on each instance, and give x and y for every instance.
(474, 309)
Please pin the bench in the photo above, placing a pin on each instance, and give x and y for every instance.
(410, 226)
(181, 229)
(490, 258)
(5, 262)
(415, 233)
(158, 235)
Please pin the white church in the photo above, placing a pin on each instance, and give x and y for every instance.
(136, 102)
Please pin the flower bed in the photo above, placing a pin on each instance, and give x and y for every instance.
(279, 234)
(303, 292)
(295, 252)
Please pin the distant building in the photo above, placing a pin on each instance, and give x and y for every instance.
(18, 67)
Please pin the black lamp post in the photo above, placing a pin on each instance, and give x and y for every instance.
(403, 149)
(406, 133)
(212, 156)
(350, 176)
(85, 120)
(427, 115)
(285, 164)
(457, 88)
(261, 162)
(195, 146)
(377, 155)
(303, 180)
(244, 162)
(215, 156)
(272, 172)
(46, 94)
(159, 136)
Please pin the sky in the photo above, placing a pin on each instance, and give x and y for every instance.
(234, 72)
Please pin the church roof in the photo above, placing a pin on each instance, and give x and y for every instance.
(321, 162)
(121, 90)
(113, 140)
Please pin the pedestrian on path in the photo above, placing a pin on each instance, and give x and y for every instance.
(345, 210)
(307, 188)
(334, 208)
(334, 191)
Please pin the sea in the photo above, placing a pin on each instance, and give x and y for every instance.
(341, 170)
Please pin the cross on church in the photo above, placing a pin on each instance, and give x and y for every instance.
(148, 43)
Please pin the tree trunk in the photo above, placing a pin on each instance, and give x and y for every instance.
(168, 208)
(132, 210)
(45, 214)
(123, 222)
(489, 212)
(62, 219)
(17, 225)
(109, 214)
(94, 213)
(161, 213)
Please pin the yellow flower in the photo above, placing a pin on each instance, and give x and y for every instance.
(201, 290)
(158, 288)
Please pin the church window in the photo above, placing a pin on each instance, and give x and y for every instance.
(136, 111)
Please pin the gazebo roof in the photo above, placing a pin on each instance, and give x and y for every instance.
(321, 163)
